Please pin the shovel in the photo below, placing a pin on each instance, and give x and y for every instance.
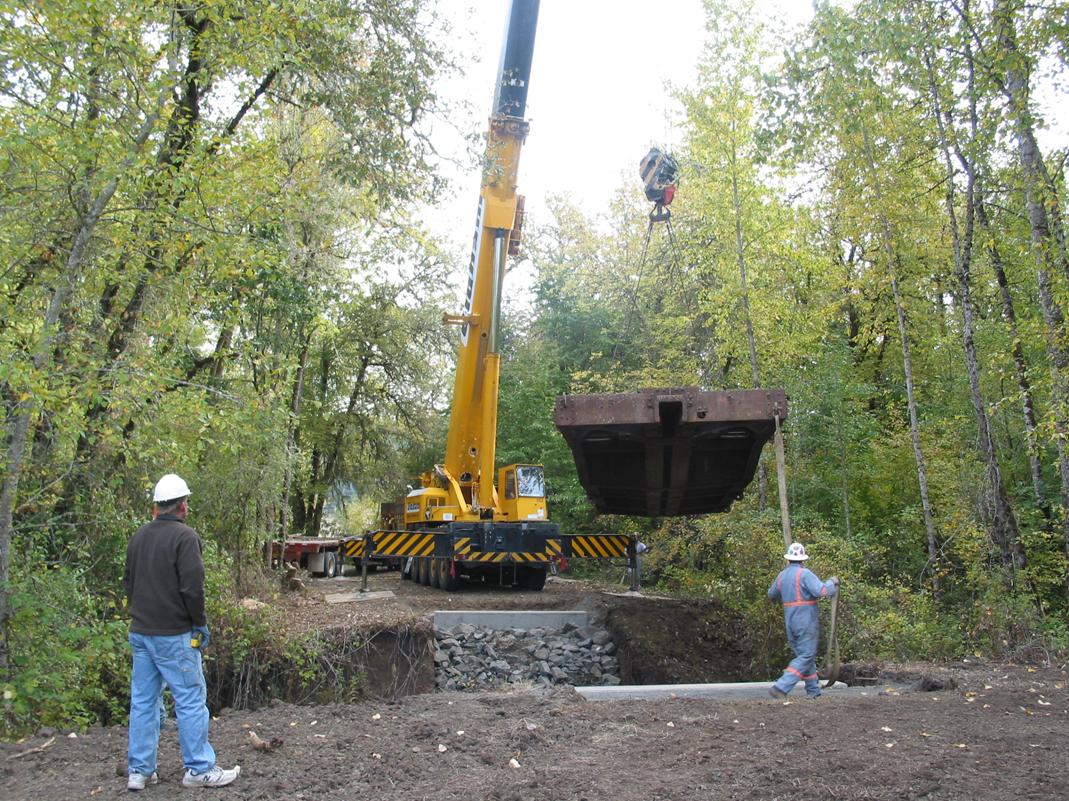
(831, 657)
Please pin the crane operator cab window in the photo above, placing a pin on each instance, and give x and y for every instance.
(523, 489)
(531, 481)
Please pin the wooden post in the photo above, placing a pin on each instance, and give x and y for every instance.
(781, 474)
(363, 561)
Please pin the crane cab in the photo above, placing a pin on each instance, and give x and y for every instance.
(521, 492)
(520, 496)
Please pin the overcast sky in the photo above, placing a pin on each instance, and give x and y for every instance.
(597, 98)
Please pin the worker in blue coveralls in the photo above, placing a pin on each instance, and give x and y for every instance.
(798, 589)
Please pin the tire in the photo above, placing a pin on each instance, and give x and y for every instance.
(425, 571)
(407, 576)
(448, 582)
(436, 573)
(531, 578)
(330, 564)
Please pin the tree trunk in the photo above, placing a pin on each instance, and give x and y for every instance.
(893, 266)
(914, 420)
(1044, 206)
(1004, 530)
(1020, 365)
(1044, 216)
(317, 515)
(291, 436)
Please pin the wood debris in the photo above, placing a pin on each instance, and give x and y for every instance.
(267, 746)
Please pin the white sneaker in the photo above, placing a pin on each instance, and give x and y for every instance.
(137, 781)
(215, 777)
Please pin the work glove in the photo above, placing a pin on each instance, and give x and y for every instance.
(200, 636)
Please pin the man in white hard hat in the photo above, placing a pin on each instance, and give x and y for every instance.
(798, 589)
(164, 581)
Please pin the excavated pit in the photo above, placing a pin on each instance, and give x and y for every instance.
(669, 451)
(340, 663)
(680, 641)
(647, 641)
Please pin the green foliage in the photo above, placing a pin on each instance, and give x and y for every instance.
(69, 653)
(530, 382)
(211, 267)
(896, 623)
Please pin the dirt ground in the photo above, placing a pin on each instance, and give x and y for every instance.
(990, 731)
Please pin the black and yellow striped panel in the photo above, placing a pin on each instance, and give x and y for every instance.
(402, 543)
(354, 547)
(462, 550)
(601, 546)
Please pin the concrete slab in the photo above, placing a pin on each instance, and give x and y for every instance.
(351, 597)
(509, 619)
(722, 691)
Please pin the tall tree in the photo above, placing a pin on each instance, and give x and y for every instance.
(960, 146)
(1045, 217)
(149, 216)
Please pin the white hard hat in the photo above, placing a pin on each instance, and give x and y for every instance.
(170, 488)
(796, 553)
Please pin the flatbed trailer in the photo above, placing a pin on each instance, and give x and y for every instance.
(319, 555)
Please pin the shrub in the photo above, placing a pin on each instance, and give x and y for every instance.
(68, 653)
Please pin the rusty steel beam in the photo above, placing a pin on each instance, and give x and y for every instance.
(670, 451)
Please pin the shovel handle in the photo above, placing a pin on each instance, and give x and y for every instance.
(831, 657)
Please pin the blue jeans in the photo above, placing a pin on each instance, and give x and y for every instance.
(174, 661)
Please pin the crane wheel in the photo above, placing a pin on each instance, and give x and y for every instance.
(425, 571)
(449, 582)
(531, 578)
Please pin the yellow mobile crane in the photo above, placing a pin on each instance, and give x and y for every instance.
(505, 523)
(466, 519)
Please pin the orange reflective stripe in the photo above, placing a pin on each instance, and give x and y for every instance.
(797, 673)
(800, 603)
(824, 592)
(798, 584)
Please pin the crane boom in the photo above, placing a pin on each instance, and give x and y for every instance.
(462, 489)
(471, 441)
